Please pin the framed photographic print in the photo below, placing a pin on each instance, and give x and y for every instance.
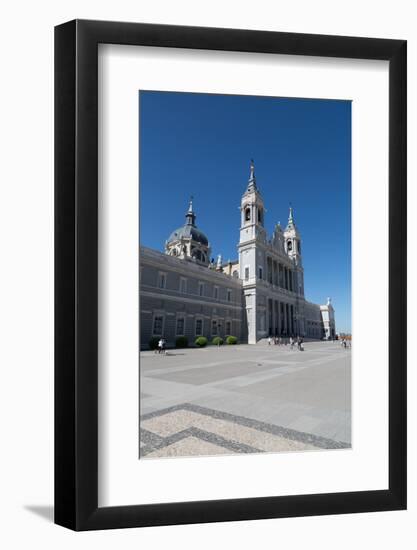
(230, 338)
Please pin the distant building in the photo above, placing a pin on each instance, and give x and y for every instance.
(185, 293)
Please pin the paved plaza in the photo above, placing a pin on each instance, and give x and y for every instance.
(245, 399)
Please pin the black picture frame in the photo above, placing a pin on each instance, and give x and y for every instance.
(76, 272)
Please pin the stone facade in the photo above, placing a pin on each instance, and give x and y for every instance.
(183, 293)
(183, 298)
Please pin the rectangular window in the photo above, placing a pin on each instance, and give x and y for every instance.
(260, 272)
(246, 273)
(180, 326)
(229, 295)
(162, 278)
(201, 289)
(214, 327)
(216, 293)
(158, 323)
(228, 328)
(183, 285)
(198, 327)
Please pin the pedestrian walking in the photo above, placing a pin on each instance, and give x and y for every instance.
(269, 340)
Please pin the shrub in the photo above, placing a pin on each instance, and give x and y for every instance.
(231, 340)
(217, 341)
(201, 341)
(153, 342)
(181, 342)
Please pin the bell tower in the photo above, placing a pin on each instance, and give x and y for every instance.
(292, 245)
(292, 240)
(252, 211)
(251, 246)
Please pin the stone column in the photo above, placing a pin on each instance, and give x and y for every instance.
(279, 320)
(276, 318)
(288, 319)
(292, 318)
(285, 319)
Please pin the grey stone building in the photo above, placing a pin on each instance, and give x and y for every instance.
(261, 294)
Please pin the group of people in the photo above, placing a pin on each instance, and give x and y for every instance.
(277, 341)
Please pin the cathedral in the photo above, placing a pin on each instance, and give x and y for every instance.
(184, 292)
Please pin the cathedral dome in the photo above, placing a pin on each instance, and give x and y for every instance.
(188, 231)
(188, 242)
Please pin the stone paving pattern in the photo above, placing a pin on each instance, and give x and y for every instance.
(245, 399)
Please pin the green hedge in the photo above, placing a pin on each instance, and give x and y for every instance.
(217, 341)
(153, 342)
(201, 341)
(181, 342)
(231, 340)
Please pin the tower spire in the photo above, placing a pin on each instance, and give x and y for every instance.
(291, 217)
(190, 215)
(252, 178)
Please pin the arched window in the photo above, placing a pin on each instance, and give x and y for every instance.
(260, 213)
(289, 245)
(299, 247)
(235, 274)
(247, 214)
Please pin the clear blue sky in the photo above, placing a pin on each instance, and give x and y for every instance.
(201, 145)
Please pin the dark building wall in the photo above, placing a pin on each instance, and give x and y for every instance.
(215, 308)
